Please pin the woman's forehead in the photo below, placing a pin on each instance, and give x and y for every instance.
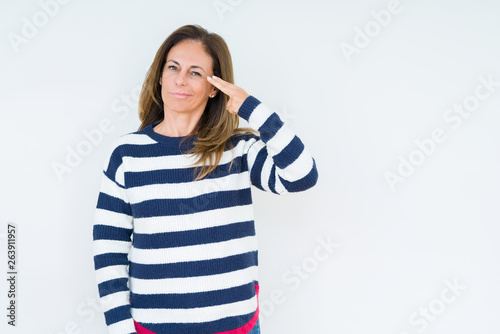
(190, 53)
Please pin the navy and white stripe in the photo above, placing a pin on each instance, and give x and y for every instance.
(180, 256)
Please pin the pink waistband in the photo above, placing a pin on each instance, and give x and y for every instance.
(241, 330)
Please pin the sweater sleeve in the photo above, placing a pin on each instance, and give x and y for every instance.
(112, 230)
(277, 160)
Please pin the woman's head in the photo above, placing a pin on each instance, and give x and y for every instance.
(184, 87)
(153, 97)
(187, 46)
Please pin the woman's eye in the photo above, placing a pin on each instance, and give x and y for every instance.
(172, 67)
(196, 73)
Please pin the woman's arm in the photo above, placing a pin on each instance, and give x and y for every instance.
(113, 225)
(278, 161)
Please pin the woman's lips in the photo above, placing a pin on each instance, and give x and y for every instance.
(180, 95)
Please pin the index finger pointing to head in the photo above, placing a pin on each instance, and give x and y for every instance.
(224, 86)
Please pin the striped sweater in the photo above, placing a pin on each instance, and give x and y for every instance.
(174, 255)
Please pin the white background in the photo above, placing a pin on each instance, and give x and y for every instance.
(358, 115)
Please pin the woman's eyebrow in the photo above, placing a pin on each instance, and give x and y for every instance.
(192, 66)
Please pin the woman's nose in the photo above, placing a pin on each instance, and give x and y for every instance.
(181, 79)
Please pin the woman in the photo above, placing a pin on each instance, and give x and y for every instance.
(175, 248)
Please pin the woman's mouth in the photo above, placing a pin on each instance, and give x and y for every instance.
(180, 95)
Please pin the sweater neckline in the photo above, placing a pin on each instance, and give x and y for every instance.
(164, 139)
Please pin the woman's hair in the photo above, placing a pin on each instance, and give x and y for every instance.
(216, 125)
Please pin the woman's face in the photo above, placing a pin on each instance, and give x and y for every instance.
(185, 87)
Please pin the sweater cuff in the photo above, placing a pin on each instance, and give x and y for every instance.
(248, 107)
